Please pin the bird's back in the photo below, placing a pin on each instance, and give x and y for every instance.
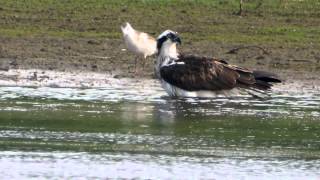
(194, 73)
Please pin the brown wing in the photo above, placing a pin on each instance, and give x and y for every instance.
(194, 73)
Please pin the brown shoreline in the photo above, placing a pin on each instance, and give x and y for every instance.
(108, 56)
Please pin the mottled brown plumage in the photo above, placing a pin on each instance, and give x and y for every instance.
(194, 73)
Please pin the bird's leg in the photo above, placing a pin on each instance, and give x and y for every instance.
(135, 65)
(144, 63)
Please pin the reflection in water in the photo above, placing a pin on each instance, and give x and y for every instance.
(131, 132)
(278, 103)
(136, 112)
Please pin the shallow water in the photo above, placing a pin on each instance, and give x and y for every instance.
(137, 131)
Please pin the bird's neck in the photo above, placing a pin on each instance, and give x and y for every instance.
(169, 50)
(168, 53)
(127, 30)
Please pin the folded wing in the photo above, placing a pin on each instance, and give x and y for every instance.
(193, 73)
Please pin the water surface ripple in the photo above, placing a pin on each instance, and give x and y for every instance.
(135, 130)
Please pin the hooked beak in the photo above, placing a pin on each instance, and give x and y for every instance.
(177, 40)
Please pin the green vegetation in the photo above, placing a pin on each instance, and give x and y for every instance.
(264, 21)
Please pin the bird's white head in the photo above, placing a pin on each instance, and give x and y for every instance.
(167, 43)
(127, 28)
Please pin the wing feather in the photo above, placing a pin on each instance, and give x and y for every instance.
(194, 73)
(202, 73)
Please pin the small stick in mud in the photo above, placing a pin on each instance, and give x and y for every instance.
(240, 12)
(235, 50)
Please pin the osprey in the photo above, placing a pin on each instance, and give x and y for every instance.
(139, 43)
(195, 76)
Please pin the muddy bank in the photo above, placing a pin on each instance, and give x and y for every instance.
(83, 80)
(59, 79)
(108, 56)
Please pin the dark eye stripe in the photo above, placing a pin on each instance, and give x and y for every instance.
(161, 41)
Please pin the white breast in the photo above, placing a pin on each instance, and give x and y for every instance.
(178, 92)
(141, 44)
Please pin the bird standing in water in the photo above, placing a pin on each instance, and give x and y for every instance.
(196, 76)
